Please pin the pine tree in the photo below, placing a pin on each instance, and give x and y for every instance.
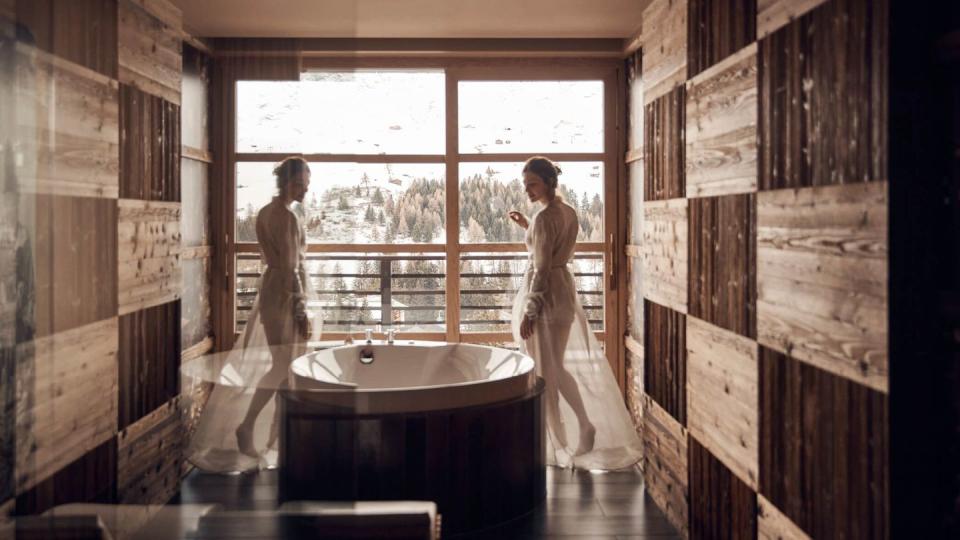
(343, 204)
(369, 216)
(377, 197)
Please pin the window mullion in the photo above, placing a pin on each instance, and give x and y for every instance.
(452, 210)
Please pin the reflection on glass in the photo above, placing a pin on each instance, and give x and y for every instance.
(344, 112)
(354, 202)
(489, 190)
(530, 116)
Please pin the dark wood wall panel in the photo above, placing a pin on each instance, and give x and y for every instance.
(665, 360)
(823, 97)
(663, 147)
(150, 457)
(149, 147)
(824, 449)
(82, 31)
(91, 478)
(721, 505)
(723, 262)
(149, 360)
(8, 321)
(716, 29)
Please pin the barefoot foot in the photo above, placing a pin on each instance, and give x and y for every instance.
(587, 436)
(245, 441)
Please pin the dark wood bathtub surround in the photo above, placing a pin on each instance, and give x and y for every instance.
(716, 29)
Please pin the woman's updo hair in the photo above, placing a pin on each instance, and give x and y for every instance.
(545, 169)
(288, 168)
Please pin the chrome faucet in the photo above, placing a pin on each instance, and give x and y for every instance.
(391, 335)
(368, 336)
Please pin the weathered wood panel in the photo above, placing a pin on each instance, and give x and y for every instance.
(663, 147)
(716, 29)
(721, 132)
(92, 478)
(195, 320)
(665, 359)
(822, 278)
(149, 254)
(9, 293)
(81, 31)
(823, 97)
(149, 52)
(635, 101)
(664, 47)
(149, 147)
(721, 506)
(824, 447)
(635, 192)
(149, 361)
(67, 405)
(664, 253)
(150, 457)
(665, 463)
(166, 11)
(723, 279)
(722, 399)
(634, 382)
(775, 14)
(773, 525)
(69, 116)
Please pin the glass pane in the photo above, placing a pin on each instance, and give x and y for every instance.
(195, 212)
(351, 203)
(195, 302)
(530, 116)
(344, 112)
(488, 191)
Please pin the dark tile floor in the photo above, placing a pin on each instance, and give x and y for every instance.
(579, 505)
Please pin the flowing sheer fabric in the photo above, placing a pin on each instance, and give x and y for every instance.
(270, 338)
(562, 343)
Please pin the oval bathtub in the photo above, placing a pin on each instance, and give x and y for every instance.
(457, 424)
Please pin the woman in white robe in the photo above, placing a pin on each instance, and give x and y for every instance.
(590, 428)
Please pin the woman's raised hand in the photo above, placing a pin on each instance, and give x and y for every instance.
(519, 219)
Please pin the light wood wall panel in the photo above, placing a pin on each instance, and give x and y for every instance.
(634, 383)
(149, 254)
(150, 457)
(822, 278)
(663, 147)
(721, 506)
(722, 397)
(716, 29)
(664, 253)
(721, 132)
(665, 463)
(773, 525)
(665, 359)
(67, 385)
(664, 47)
(69, 116)
(83, 32)
(149, 52)
(775, 14)
(164, 10)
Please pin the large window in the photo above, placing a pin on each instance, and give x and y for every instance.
(414, 172)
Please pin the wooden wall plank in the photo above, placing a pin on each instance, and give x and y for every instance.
(824, 447)
(663, 147)
(149, 254)
(81, 31)
(69, 115)
(722, 399)
(91, 478)
(665, 47)
(9, 293)
(67, 385)
(665, 463)
(635, 304)
(195, 320)
(721, 506)
(822, 278)
(721, 127)
(149, 146)
(773, 525)
(634, 384)
(149, 52)
(775, 14)
(150, 457)
(723, 281)
(716, 29)
(665, 359)
(823, 97)
(664, 253)
(164, 10)
(149, 361)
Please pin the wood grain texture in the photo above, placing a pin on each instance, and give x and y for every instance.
(663, 147)
(665, 463)
(149, 254)
(83, 32)
(664, 47)
(723, 281)
(822, 278)
(773, 525)
(149, 361)
(664, 253)
(721, 127)
(665, 359)
(9, 292)
(823, 97)
(635, 304)
(149, 146)
(149, 52)
(635, 104)
(68, 116)
(721, 506)
(67, 385)
(195, 319)
(634, 384)
(824, 447)
(775, 14)
(722, 397)
(166, 11)
(150, 457)
(716, 29)
(91, 478)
